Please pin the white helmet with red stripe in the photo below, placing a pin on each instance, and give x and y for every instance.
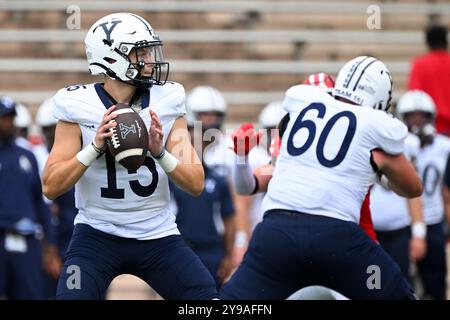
(365, 81)
(321, 80)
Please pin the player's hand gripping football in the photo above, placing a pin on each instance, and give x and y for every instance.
(103, 128)
(245, 138)
(155, 135)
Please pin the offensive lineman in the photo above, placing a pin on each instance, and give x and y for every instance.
(331, 153)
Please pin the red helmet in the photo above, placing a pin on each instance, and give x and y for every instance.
(321, 80)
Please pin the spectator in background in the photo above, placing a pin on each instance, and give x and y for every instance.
(398, 221)
(209, 106)
(251, 215)
(23, 215)
(22, 122)
(207, 222)
(431, 73)
(418, 114)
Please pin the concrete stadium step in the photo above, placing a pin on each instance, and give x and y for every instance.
(227, 20)
(228, 82)
(208, 36)
(231, 44)
(29, 81)
(225, 14)
(226, 66)
(234, 51)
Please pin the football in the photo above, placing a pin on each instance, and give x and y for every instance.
(129, 143)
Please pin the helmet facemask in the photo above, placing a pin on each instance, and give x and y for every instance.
(141, 55)
(420, 123)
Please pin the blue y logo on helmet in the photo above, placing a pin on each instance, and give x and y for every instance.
(108, 31)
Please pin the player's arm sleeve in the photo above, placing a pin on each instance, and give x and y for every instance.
(388, 134)
(242, 177)
(43, 210)
(226, 207)
(60, 108)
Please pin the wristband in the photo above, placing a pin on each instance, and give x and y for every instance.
(242, 176)
(88, 155)
(419, 230)
(167, 161)
(97, 149)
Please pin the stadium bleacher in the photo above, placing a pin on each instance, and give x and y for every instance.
(229, 45)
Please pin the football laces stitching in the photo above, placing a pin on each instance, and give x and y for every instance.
(115, 138)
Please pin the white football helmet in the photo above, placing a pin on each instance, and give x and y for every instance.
(415, 100)
(44, 116)
(206, 99)
(365, 81)
(110, 41)
(271, 115)
(23, 116)
(190, 118)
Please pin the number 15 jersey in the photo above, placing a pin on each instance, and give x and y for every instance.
(324, 164)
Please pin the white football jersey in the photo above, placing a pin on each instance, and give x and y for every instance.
(431, 163)
(389, 210)
(324, 164)
(108, 196)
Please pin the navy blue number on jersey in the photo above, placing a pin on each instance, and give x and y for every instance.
(112, 192)
(431, 179)
(76, 87)
(311, 127)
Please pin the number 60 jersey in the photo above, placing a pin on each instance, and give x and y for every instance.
(324, 165)
(108, 196)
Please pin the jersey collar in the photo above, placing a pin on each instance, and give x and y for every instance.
(108, 101)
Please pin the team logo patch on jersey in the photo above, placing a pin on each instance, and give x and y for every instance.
(25, 164)
(210, 185)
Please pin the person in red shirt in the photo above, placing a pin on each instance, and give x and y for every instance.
(431, 73)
